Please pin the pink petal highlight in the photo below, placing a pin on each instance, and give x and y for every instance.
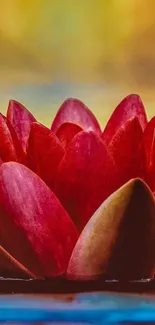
(131, 106)
(74, 111)
(35, 228)
(21, 119)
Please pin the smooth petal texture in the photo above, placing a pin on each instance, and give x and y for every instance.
(149, 141)
(10, 148)
(21, 119)
(66, 133)
(10, 267)
(127, 149)
(118, 241)
(21, 155)
(86, 176)
(131, 106)
(44, 152)
(43, 235)
(74, 111)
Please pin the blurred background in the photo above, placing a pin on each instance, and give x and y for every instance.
(96, 50)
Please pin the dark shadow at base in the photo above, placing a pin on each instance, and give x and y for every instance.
(61, 286)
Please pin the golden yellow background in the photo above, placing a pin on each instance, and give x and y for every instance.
(96, 50)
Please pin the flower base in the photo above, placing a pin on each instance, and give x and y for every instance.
(62, 286)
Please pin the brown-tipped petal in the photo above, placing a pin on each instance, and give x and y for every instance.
(11, 268)
(119, 240)
(87, 174)
(149, 142)
(131, 106)
(74, 111)
(66, 133)
(127, 149)
(44, 152)
(35, 229)
(21, 119)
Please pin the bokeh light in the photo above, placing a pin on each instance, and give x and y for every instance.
(98, 51)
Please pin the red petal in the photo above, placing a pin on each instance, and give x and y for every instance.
(74, 111)
(131, 106)
(44, 152)
(149, 141)
(118, 241)
(34, 227)
(21, 119)
(86, 176)
(66, 133)
(127, 149)
(9, 145)
(10, 267)
(19, 150)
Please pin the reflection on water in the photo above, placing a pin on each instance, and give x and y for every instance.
(84, 309)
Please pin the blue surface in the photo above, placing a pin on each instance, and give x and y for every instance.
(85, 308)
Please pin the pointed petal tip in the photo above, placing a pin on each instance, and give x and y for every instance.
(75, 111)
(13, 103)
(137, 181)
(21, 119)
(129, 107)
(15, 108)
(135, 184)
(133, 95)
(72, 99)
(125, 224)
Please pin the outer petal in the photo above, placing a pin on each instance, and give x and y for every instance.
(86, 176)
(131, 106)
(21, 119)
(44, 152)
(118, 241)
(74, 111)
(10, 148)
(43, 233)
(149, 141)
(127, 149)
(66, 133)
(10, 267)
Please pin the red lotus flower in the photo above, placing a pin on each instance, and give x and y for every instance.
(55, 183)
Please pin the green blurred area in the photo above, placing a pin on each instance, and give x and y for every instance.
(98, 51)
